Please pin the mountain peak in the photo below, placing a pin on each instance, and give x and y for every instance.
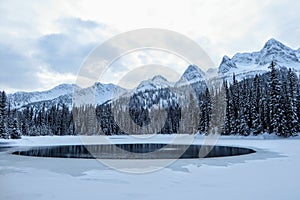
(272, 41)
(191, 75)
(275, 44)
(225, 58)
(226, 64)
(159, 78)
(274, 50)
(192, 68)
(257, 62)
(157, 82)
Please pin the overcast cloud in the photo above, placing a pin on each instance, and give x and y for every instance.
(43, 43)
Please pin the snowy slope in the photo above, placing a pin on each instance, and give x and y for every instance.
(157, 82)
(249, 64)
(100, 93)
(97, 94)
(191, 75)
(20, 99)
(148, 91)
(298, 53)
(63, 99)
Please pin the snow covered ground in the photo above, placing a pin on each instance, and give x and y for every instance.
(270, 173)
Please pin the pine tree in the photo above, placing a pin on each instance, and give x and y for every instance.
(298, 106)
(256, 107)
(25, 121)
(235, 94)
(283, 128)
(205, 111)
(275, 94)
(15, 132)
(10, 120)
(265, 112)
(291, 106)
(229, 115)
(243, 114)
(3, 116)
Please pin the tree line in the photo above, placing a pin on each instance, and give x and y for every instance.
(29, 121)
(8, 120)
(268, 102)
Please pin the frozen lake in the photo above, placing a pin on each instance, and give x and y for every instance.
(270, 173)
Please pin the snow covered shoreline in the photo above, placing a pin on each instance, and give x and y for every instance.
(76, 140)
(65, 139)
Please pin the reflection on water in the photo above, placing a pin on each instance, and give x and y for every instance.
(135, 151)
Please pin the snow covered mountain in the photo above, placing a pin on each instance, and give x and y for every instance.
(298, 53)
(249, 64)
(243, 65)
(157, 82)
(99, 93)
(96, 94)
(20, 99)
(192, 74)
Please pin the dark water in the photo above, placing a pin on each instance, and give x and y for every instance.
(134, 151)
(4, 149)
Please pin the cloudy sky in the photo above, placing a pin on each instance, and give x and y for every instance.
(44, 43)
